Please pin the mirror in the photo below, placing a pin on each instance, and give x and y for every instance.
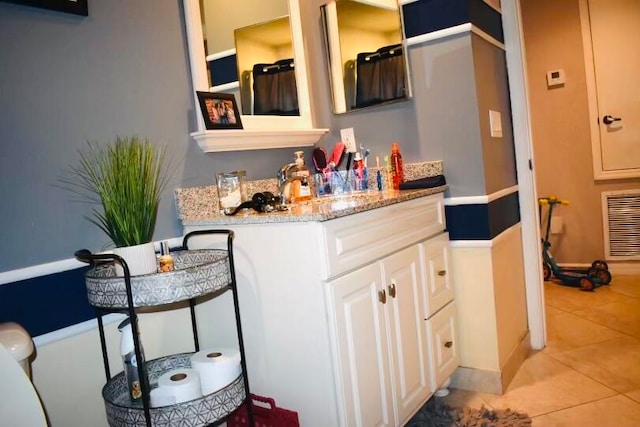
(266, 69)
(366, 57)
(253, 32)
(211, 27)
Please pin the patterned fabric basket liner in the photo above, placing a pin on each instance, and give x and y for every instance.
(197, 272)
(194, 413)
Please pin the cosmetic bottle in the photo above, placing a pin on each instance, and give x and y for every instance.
(129, 360)
(165, 261)
(396, 166)
(301, 189)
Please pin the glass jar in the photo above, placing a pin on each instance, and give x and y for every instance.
(232, 190)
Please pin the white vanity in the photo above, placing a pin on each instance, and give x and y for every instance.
(347, 306)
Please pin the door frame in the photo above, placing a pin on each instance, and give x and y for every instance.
(523, 142)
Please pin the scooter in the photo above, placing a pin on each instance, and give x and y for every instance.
(585, 279)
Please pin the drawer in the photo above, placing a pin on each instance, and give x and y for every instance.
(443, 348)
(438, 284)
(358, 239)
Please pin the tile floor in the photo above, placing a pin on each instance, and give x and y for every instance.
(589, 373)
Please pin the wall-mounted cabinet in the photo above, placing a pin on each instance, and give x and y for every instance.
(259, 131)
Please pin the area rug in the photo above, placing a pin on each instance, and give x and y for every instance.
(437, 414)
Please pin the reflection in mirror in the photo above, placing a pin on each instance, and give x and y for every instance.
(251, 32)
(266, 69)
(219, 24)
(365, 53)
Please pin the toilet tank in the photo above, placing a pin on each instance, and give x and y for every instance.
(18, 343)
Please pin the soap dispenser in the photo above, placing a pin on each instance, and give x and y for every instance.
(302, 188)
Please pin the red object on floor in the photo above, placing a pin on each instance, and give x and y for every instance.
(265, 414)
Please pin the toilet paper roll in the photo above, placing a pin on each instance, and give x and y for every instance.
(182, 383)
(217, 368)
(161, 396)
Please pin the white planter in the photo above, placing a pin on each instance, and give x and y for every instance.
(141, 259)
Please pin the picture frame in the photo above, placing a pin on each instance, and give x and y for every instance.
(76, 7)
(219, 110)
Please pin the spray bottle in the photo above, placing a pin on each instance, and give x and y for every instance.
(128, 353)
(396, 165)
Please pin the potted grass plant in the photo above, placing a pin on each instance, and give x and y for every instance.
(126, 179)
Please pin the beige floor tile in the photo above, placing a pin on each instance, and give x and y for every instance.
(626, 285)
(613, 363)
(551, 312)
(571, 299)
(616, 411)
(622, 316)
(567, 331)
(635, 395)
(544, 385)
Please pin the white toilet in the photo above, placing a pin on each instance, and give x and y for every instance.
(19, 402)
(18, 342)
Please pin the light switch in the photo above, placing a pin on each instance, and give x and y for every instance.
(495, 124)
(349, 140)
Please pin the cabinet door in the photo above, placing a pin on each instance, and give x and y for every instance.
(443, 349)
(438, 284)
(359, 327)
(407, 340)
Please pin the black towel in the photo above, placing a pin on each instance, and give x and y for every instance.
(428, 182)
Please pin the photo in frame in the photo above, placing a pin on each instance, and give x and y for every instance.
(76, 7)
(219, 110)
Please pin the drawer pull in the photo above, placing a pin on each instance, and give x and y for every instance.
(448, 344)
(382, 296)
(442, 273)
(392, 290)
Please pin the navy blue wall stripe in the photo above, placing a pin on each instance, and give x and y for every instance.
(223, 70)
(46, 303)
(487, 19)
(425, 16)
(482, 221)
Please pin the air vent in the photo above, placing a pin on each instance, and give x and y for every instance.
(621, 220)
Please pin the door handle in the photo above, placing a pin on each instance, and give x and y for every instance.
(382, 296)
(392, 290)
(608, 119)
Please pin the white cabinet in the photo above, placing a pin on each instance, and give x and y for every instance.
(381, 345)
(363, 356)
(317, 337)
(392, 314)
(441, 332)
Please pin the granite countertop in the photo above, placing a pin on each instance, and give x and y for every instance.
(198, 206)
(320, 209)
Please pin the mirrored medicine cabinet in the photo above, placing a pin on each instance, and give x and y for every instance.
(247, 48)
(367, 61)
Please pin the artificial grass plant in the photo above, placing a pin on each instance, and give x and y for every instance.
(127, 178)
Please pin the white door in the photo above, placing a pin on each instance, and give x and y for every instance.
(363, 353)
(407, 339)
(615, 35)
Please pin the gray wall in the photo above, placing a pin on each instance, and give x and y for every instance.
(493, 94)
(124, 70)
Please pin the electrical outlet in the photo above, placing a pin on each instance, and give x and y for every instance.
(349, 139)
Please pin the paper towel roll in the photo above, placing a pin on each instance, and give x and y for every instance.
(182, 383)
(217, 368)
(161, 396)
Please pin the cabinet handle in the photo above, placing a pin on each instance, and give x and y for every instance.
(448, 344)
(382, 296)
(392, 290)
(442, 273)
